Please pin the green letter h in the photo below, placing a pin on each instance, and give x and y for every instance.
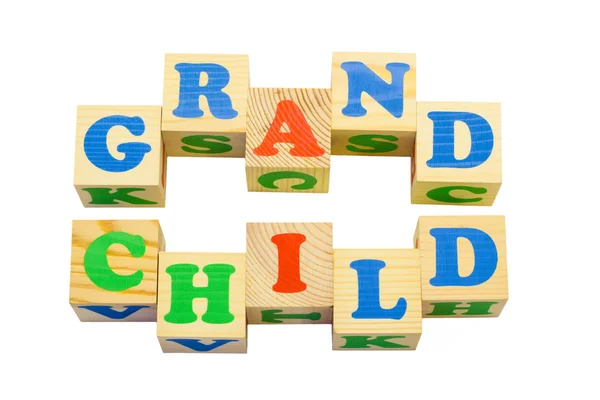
(183, 292)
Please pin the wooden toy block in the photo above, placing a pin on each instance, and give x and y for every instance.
(114, 270)
(374, 104)
(288, 143)
(376, 299)
(463, 266)
(204, 105)
(457, 157)
(119, 157)
(201, 303)
(290, 273)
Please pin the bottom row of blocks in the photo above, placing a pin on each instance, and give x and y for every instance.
(290, 273)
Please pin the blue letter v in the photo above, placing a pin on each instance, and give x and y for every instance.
(197, 345)
(108, 311)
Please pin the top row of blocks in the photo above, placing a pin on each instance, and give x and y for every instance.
(288, 135)
(389, 109)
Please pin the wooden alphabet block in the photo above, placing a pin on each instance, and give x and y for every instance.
(204, 105)
(374, 104)
(376, 299)
(290, 273)
(288, 144)
(201, 303)
(119, 157)
(463, 266)
(114, 270)
(457, 157)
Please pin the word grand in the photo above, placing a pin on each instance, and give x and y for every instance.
(287, 136)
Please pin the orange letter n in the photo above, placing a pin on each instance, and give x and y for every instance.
(300, 135)
(288, 276)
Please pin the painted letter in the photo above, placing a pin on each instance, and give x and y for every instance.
(362, 79)
(446, 256)
(300, 135)
(104, 196)
(183, 292)
(109, 312)
(474, 308)
(442, 194)
(482, 139)
(377, 143)
(197, 345)
(95, 261)
(277, 316)
(288, 274)
(96, 148)
(268, 180)
(190, 91)
(368, 292)
(209, 144)
(365, 342)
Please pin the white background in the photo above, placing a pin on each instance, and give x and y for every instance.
(540, 61)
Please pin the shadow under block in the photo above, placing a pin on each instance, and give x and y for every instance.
(204, 105)
(376, 299)
(457, 158)
(290, 273)
(201, 302)
(288, 142)
(463, 265)
(119, 157)
(114, 270)
(374, 104)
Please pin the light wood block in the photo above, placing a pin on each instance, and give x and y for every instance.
(201, 302)
(481, 291)
(114, 270)
(288, 144)
(219, 129)
(377, 131)
(120, 168)
(399, 278)
(464, 182)
(290, 273)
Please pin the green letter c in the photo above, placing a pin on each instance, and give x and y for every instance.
(268, 180)
(442, 194)
(95, 261)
